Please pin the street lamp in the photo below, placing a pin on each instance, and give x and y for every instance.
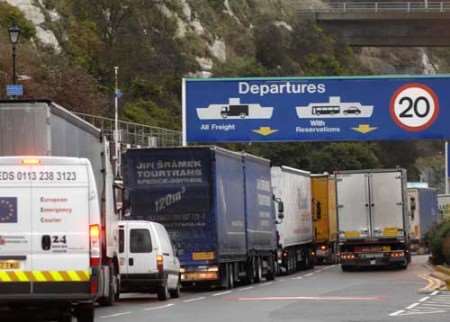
(14, 35)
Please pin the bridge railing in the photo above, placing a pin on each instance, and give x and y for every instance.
(376, 7)
(134, 134)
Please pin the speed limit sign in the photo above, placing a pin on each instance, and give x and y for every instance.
(414, 107)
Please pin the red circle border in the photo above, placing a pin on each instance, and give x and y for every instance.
(418, 128)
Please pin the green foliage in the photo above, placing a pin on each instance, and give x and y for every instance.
(439, 241)
(10, 15)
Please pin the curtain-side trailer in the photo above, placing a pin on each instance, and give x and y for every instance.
(295, 230)
(216, 205)
(323, 189)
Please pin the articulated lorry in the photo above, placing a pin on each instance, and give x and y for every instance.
(323, 189)
(424, 213)
(373, 221)
(58, 222)
(216, 205)
(292, 187)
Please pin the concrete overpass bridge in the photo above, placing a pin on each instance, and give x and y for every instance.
(386, 23)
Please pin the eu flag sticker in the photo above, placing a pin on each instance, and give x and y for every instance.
(8, 210)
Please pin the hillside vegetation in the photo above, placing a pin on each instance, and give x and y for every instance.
(69, 57)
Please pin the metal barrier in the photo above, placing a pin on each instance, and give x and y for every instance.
(376, 7)
(135, 134)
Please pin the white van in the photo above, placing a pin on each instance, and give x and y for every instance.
(148, 262)
(50, 236)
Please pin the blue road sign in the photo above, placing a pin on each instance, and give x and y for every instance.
(14, 90)
(316, 109)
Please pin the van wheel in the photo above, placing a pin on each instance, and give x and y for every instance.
(175, 293)
(85, 313)
(163, 293)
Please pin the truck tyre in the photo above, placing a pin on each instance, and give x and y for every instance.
(85, 313)
(271, 272)
(230, 276)
(65, 317)
(346, 268)
(175, 293)
(112, 288)
(258, 270)
(163, 292)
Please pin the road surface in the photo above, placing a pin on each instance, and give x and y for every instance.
(320, 295)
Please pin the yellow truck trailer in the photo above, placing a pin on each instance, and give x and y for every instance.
(324, 215)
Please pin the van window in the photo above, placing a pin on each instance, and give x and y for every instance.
(140, 241)
(121, 240)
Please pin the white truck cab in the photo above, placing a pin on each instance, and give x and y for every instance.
(148, 261)
(50, 228)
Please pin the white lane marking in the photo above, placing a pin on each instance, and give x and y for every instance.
(282, 279)
(267, 284)
(423, 299)
(246, 288)
(397, 313)
(422, 312)
(222, 293)
(159, 307)
(434, 293)
(412, 306)
(437, 305)
(195, 299)
(309, 274)
(309, 298)
(115, 315)
(298, 278)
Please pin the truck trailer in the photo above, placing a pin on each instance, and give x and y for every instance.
(323, 187)
(424, 213)
(292, 187)
(40, 132)
(373, 221)
(216, 205)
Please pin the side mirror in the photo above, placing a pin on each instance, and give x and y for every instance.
(280, 210)
(412, 206)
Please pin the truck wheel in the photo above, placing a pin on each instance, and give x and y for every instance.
(346, 268)
(163, 292)
(85, 313)
(258, 270)
(112, 289)
(230, 276)
(270, 276)
(175, 293)
(65, 317)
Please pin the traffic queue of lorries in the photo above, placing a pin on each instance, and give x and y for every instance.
(194, 216)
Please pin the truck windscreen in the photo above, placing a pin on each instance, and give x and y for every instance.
(169, 186)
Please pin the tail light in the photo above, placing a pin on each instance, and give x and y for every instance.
(160, 263)
(94, 237)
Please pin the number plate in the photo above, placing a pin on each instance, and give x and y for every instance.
(9, 265)
(373, 262)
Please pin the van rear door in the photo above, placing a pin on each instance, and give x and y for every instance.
(60, 221)
(15, 221)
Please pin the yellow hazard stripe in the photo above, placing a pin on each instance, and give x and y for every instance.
(44, 276)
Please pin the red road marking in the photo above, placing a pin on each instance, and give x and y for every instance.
(308, 298)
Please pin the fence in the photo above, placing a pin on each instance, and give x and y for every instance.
(376, 7)
(135, 134)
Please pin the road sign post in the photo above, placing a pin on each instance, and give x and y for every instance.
(446, 169)
(316, 109)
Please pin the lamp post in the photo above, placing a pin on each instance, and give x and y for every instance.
(14, 35)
